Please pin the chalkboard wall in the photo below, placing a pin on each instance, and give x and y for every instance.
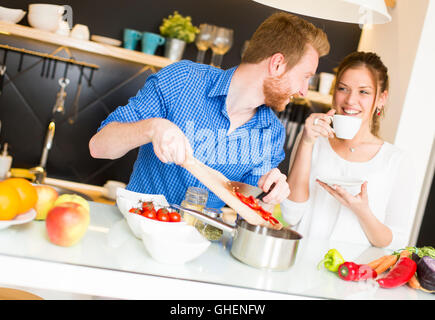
(27, 99)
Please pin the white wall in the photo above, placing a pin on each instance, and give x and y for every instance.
(407, 46)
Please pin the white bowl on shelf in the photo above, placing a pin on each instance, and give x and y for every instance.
(177, 246)
(44, 22)
(11, 15)
(45, 17)
(46, 9)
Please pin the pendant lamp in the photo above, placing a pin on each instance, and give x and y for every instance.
(351, 11)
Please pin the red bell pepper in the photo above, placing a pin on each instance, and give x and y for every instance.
(351, 271)
(399, 274)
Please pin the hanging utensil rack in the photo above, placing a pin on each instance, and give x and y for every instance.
(47, 61)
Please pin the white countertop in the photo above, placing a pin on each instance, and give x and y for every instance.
(110, 262)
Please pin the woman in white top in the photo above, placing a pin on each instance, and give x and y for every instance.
(376, 213)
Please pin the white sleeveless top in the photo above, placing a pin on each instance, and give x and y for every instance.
(390, 189)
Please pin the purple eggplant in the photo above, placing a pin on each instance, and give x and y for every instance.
(426, 272)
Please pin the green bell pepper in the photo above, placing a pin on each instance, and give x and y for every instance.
(332, 260)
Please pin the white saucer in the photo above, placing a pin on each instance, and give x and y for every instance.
(19, 219)
(343, 182)
(106, 40)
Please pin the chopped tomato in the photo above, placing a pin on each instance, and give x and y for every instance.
(253, 204)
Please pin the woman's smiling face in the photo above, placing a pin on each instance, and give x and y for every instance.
(355, 94)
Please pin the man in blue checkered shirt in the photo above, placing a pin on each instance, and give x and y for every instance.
(224, 118)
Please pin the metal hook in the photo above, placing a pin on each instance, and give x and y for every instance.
(90, 77)
(48, 68)
(65, 73)
(43, 67)
(54, 69)
(20, 63)
(64, 82)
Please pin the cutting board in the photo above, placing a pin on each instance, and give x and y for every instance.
(221, 187)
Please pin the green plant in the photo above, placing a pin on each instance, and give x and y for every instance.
(179, 27)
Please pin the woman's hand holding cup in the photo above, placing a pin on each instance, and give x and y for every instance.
(318, 124)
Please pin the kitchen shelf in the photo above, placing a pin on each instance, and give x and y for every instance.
(316, 96)
(84, 45)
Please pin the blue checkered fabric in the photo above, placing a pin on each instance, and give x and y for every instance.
(192, 96)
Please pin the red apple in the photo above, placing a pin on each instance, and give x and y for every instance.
(46, 198)
(66, 223)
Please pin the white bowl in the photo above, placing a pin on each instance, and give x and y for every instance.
(125, 200)
(46, 9)
(11, 15)
(177, 246)
(44, 22)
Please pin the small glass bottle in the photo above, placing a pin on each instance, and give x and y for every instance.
(196, 199)
(210, 232)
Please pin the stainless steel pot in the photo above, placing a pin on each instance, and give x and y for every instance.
(257, 246)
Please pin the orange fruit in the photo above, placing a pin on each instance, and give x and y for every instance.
(10, 201)
(26, 191)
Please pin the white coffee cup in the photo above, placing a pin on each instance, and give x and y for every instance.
(111, 186)
(346, 127)
(80, 31)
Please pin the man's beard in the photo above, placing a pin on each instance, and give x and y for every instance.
(274, 96)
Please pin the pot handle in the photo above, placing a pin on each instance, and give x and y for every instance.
(203, 217)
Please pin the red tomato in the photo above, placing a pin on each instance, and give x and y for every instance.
(151, 214)
(174, 217)
(135, 210)
(147, 205)
(162, 216)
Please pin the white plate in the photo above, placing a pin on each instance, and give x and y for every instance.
(105, 40)
(351, 185)
(19, 219)
(344, 182)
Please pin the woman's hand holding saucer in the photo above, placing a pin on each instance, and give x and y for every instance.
(358, 203)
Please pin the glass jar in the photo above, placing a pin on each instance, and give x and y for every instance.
(196, 199)
(208, 231)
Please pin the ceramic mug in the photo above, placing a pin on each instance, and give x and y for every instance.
(131, 37)
(80, 31)
(150, 42)
(346, 127)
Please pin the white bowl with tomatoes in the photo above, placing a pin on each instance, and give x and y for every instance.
(147, 213)
(177, 246)
(166, 237)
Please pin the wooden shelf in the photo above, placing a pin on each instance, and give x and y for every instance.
(316, 96)
(84, 45)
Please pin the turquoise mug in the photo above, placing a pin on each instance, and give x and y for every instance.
(150, 42)
(131, 37)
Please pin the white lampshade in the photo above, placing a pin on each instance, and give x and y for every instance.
(351, 11)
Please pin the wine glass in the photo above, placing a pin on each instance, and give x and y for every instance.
(222, 42)
(203, 40)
